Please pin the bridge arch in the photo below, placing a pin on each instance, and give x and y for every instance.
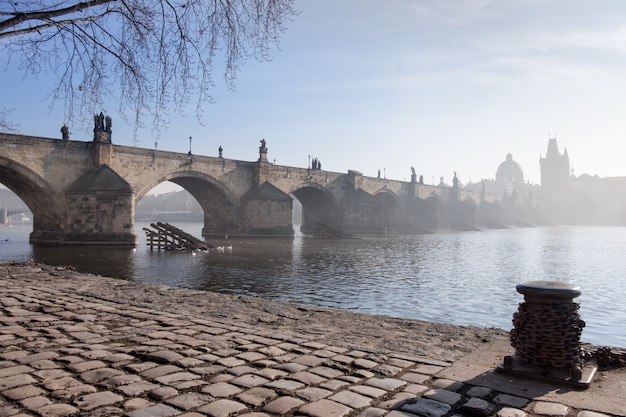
(435, 200)
(425, 214)
(222, 211)
(182, 176)
(392, 209)
(469, 201)
(434, 207)
(47, 205)
(318, 205)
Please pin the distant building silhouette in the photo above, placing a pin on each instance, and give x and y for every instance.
(566, 199)
(518, 205)
(598, 201)
(509, 175)
(555, 185)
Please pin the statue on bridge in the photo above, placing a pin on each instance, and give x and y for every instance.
(263, 151)
(102, 123)
(219, 150)
(98, 121)
(316, 164)
(102, 128)
(65, 132)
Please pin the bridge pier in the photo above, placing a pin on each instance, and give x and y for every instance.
(267, 211)
(100, 209)
(363, 213)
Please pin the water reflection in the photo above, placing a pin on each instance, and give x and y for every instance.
(464, 278)
(106, 261)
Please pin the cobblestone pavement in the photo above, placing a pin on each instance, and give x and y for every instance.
(68, 355)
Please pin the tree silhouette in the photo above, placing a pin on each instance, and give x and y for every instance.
(150, 57)
(5, 122)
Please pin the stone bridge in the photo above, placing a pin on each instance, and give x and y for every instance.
(86, 192)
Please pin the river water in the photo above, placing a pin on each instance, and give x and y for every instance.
(465, 278)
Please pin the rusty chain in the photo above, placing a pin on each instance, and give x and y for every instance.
(548, 334)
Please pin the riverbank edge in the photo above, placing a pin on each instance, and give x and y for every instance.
(373, 333)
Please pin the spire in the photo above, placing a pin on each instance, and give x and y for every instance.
(553, 148)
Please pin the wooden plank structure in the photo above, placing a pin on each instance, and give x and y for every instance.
(168, 237)
(326, 231)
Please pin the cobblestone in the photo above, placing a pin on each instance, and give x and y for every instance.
(511, 401)
(478, 407)
(480, 392)
(325, 408)
(64, 354)
(511, 412)
(189, 401)
(57, 410)
(426, 407)
(590, 414)
(444, 396)
(23, 392)
(550, 409)
(282, 405)
(158, 410)
(257, 396)
(98, 399)
(222, 408)
(387, 384)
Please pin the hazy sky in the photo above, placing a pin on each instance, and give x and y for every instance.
(444, 86)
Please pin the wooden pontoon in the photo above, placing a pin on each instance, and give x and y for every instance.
(168, 237)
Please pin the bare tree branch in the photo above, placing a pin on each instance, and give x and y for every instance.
(5, 124)
(151, 57)
(45, 15)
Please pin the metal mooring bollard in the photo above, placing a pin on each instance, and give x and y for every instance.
(546, 335)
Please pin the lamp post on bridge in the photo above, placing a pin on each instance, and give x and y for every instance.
(190, 155)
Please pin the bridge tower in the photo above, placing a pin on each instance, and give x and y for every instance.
(555, 186)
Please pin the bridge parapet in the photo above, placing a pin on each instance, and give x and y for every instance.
(85, 192)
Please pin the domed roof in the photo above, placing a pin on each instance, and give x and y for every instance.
(510, 171)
